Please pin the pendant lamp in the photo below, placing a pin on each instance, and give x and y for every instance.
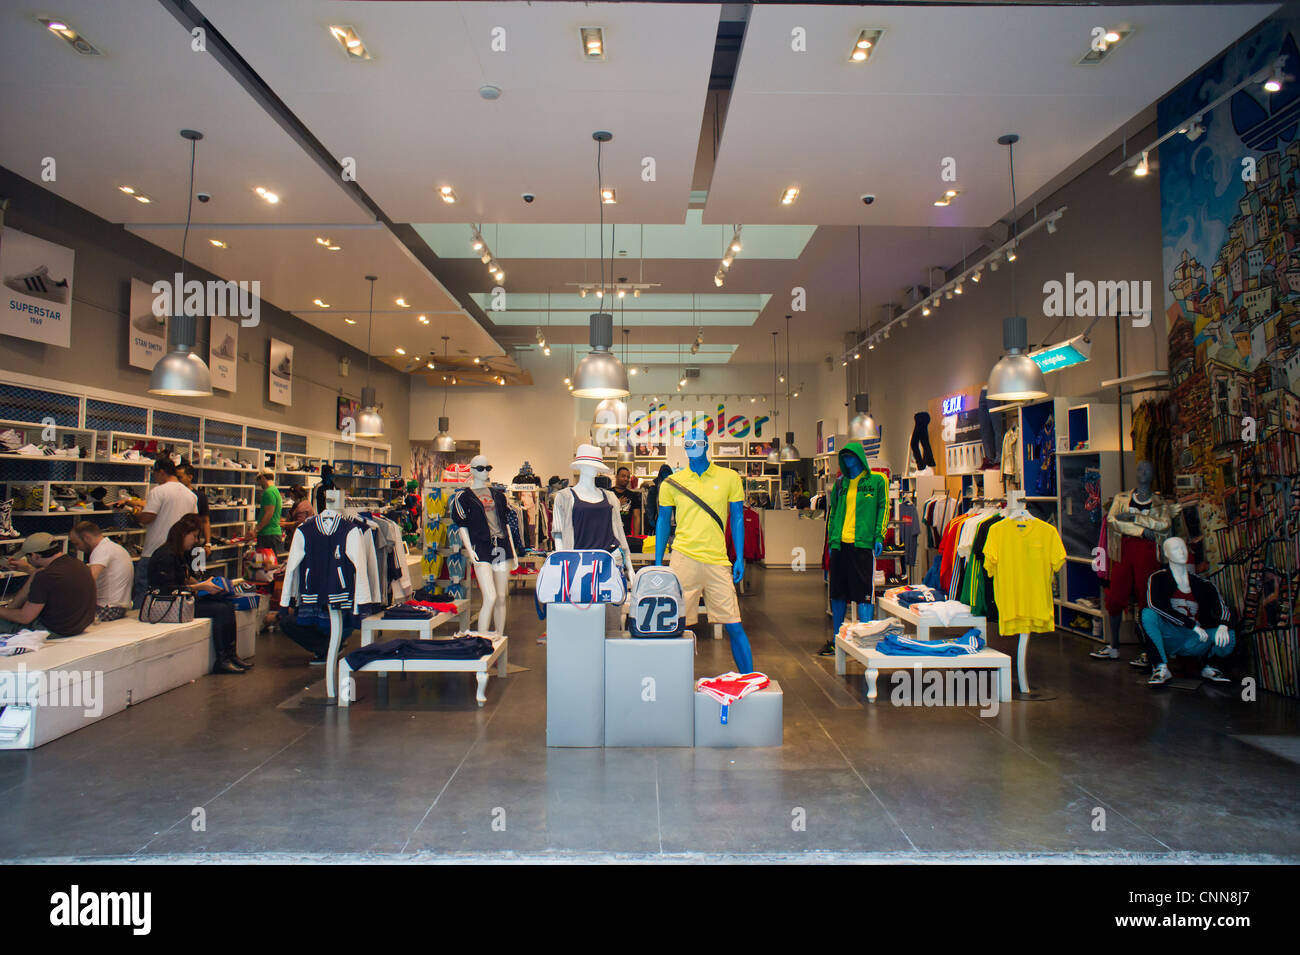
(862, 426)
(369, 423)
(444, 441)
(600, 374)
(180, 373)
(1016, 376)
(789, 452)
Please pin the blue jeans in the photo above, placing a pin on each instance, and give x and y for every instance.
(1171, 640)
(141, 585)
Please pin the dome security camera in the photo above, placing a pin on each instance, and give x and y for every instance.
(868, 198)
(529, 197)
(202, 196)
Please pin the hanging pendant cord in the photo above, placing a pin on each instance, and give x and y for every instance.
(189, 210)
(370, 330)
(857, 346)
(1015, 244)
(600, 199)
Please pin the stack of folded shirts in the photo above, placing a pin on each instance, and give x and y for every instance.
(867, 633)
(437, 606)
(407, 612)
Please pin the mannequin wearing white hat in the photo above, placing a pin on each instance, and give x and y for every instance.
(582, 499)
(495, 556)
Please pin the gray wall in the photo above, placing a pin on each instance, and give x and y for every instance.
(1111, 231)
(108, 257)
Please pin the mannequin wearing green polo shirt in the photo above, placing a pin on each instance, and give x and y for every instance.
(697, 455)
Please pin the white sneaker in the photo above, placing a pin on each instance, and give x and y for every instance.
(33, 451)
(1141, 663)
(38, 284)
(10, 440)
(131, 455)
(1160, 675)
(1215, 674)
(1105, 653)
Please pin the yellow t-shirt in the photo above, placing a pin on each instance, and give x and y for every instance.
(698, 534)
(849, 534)
(1022, 556)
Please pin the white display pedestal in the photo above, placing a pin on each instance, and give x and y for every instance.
(575, 675)
(755, 720)
(648, 688)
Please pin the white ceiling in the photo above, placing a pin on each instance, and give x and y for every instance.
(115, 120)
(944, 82)
(294, 270)
(413, 119)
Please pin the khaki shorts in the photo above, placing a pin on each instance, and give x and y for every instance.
(714, 581)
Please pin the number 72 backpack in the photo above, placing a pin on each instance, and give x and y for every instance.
(657, 608)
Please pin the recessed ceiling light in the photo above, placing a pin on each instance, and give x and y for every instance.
(429, 366)
(593, 43)
(401, 351)
(607, 196)
(350, 42)
(334, 248)
(267, 194)
(218, 243)
(401, 303)
(478, 361)
(141, 197)
(350, 321)
(424, 319)
(127, 189)
(319, 303)
(74, 39)
(1102, 46)
(790, 195)
(864, 45)
(941, 202)
(1112, 36)
(321, 240)
(447, 194)
(950, 194)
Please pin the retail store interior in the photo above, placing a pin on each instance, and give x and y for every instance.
(655, 431)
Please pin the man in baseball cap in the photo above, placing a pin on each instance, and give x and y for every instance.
(59, 595)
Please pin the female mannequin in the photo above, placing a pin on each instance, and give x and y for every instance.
(495, 556)
(588, 463)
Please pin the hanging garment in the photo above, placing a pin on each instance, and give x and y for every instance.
(1023, 555)
(731, 687)
(920, 444)
(1157, 515)
(910, 523)
(990, 429)
(754, 548)
(978, 589)
(1011, 454)
(330, 565)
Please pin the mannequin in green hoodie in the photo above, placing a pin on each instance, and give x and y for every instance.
(857, 515)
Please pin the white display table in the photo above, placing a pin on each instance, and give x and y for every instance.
(875, 661)
(479, 667)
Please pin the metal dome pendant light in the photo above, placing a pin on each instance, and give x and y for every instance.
(774, 455)
(369, 424)
(180, 373)
(444, 441)
(862, 426)
(789, 452)
(1016, 376)
(600, 374)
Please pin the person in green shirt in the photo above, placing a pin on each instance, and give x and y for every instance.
(268, 532)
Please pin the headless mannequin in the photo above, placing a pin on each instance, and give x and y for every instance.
(587, 491)
(492, 571)
(697, 458)
(852, 467)
(1142, 494)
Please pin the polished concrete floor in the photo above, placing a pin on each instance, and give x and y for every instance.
(1108, 769)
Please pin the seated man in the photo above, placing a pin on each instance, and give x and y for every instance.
(110, 565)
(59, 596)
(1182, 608)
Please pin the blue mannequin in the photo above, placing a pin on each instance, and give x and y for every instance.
(697, 456)
(852, 467)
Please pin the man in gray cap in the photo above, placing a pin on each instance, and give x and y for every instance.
(59, 595)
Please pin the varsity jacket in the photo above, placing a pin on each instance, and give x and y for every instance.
(467, 511)
(331, 563)
(1159, 518)
(1211, 611)
(871, 509)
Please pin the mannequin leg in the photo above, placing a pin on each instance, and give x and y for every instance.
(487, 585)
(1116, 620)
(501, 572)
(740, 651)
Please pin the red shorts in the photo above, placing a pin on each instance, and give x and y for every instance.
(1129, 571)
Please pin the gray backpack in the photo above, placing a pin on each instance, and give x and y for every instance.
(656, 608)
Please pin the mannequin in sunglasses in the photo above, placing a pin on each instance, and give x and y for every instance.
(489, 540)
(700, 495)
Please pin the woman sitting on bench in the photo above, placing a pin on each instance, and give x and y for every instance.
(169, 572)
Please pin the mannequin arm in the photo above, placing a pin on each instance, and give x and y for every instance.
(736, 512)
(464, 542)
(663, 527)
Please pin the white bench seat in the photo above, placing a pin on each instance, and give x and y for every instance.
(72, 682)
